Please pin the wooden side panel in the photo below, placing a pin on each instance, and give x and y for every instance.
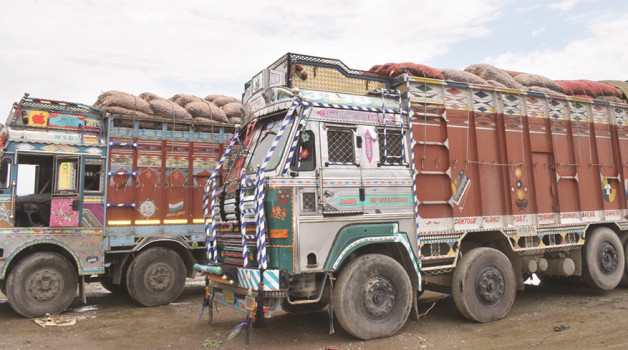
(176, 189)
(150, 182)
(621, 122)
(120, 187)
(609, 173)
(491, 180)
(518, 172)
(589, 185)
(462, 149)
(431, 161)
(566, 199)
(205, 156)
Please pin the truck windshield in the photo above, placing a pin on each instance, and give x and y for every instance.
(264, 135)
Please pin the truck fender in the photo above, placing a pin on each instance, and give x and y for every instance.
(353, 237)
(20, 249)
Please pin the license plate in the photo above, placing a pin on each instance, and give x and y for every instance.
(249, 302)
(229, 296)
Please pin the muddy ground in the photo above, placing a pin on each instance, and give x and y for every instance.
(551, 316)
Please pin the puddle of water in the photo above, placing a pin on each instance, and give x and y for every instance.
(85, 308)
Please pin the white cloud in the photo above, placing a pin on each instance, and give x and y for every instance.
(538, 31)
(563, 5)
(73, 50)
(597, 57)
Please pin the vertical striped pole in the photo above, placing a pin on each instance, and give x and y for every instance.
(384, 116)
(413, 171)
(245, 253)
(210, 232)
(261, 231)
(295, 140)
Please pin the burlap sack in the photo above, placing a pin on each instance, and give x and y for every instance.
(233, 110)
(182, 99)
(125, 111)
(211, 98)
(124, 100)
(496, 84)
(462, 76)
(528, 80)
(206, 110)
(235, 120)
(611, 99)
(149, 96)
(221, 101)
(414, 69)
(168, 109)
(575, 87)
(489, 72)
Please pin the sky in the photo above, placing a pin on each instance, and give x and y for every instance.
(73, 50)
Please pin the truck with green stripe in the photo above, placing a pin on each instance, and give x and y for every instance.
(354, 191)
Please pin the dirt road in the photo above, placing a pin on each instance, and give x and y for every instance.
(543, 317)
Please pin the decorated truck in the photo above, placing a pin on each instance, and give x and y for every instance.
(87, 195)
(355, 190)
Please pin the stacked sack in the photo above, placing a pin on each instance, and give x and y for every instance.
(592, 89)
(486, 74)
(213, 108)
(413, 69)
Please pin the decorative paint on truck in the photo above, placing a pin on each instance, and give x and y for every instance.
(90, 196)
(393, 185)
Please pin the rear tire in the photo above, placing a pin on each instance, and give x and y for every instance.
(484, 285)
(373, 297)
(624, 278)
(603, 259)
(42, 283)
(156, 277)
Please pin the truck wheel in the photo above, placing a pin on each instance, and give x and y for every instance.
(484, 285)
(373, 296)
(624, 241)
(156, 277)
(42, 283)
(3, 286)
(603, 259)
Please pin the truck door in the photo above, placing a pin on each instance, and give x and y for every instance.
(341, 185)
(65, 205)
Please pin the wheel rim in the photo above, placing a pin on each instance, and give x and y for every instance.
(490, 285)
(159, 278)
(607, 257)
(378, 297)
(45, 286)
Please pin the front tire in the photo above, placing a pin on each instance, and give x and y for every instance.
(156, 277)
(603, 259)
(484, 285)
(42, 283)
(373, 297)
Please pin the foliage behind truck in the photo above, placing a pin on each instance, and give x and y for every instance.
(87, 195)
(356, 191)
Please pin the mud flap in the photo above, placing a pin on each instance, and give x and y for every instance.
(330, 307)
(82, 293)
(414, 311)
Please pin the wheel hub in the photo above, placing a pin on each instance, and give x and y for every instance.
(378, 297)
(45, 285)
(490, 285)
(607, 257)
(159, 277)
